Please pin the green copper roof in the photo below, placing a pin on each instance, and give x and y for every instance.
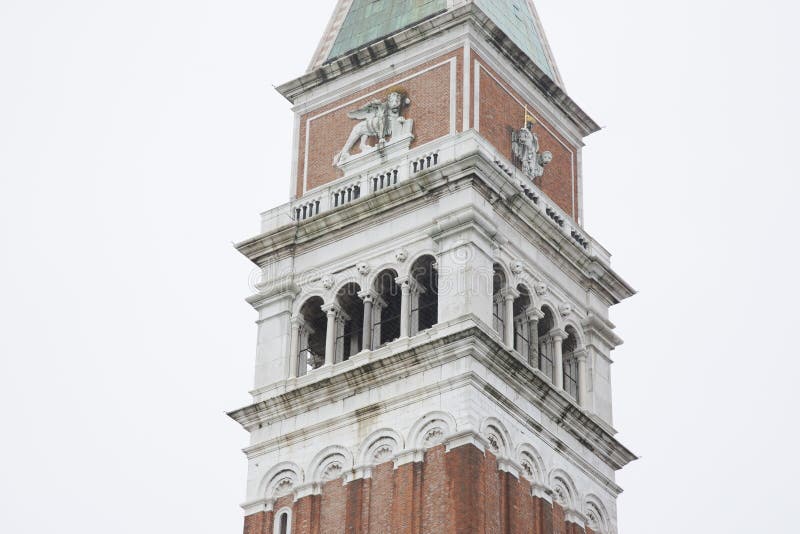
(369, 20)
(515, 19)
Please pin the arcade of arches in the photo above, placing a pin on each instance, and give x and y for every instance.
(395, 307)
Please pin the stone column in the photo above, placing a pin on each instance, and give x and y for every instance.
(582, 378)
(366, 331)
(533, 337)
(294, 345)
(558, 359)
(331, 310)
(377, 316)
(508, 295)
(405, 288)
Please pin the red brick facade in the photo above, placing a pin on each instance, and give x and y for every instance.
(499, 110)
(327, 128)
(459, 492)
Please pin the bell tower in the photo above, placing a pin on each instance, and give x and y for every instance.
(434, 347)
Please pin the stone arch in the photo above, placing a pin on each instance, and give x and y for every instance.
(496, 433)
(330, 463)
(381, 446)
(349, 334)
(577, 330)
(500, 267)
(545, 351)
(312, 335)
(424, 293)
(281, 480)
(523, 305)
(570, 347)
(387, 308)
(305, 296)
(409, 263)
(283, 521)
(500, 285)
(564, 491)
(552, 306)
(596, 515)
(431, 430)
(372, 277)
(532, 464)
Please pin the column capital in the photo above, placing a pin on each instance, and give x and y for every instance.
(534, 315)
(369, 294)
(298, 320)
(580, 354)
(509, 293)
(331, 309)
(406, 283)
(557, 334)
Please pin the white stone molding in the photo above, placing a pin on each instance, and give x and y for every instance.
(596, 515)
(574, 516)
(508, 465)
(564, 490)
(380, 446)
(531, 462)
(431, 429)
(497, 436)
(257, 505)
(466, 437)
(281, 480)
(408, 457)
(330, 463)
(304, 490)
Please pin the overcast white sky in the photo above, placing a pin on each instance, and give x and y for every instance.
(139, 139)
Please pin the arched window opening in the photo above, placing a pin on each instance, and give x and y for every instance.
(386, 310)
(424, 294)
(522, 332)
(570, 363)
(498, 303)
(349, 322)
(546, 348)
(283, 522)
(312, 336)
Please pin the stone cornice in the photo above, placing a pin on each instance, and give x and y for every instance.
(456, 341)
(470, 170)
(404, 39)
(602, 328)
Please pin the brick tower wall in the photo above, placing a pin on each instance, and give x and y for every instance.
(457, 492)
(436, 89)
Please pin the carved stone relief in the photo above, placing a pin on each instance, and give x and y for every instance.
(379, 119)
(525, 147)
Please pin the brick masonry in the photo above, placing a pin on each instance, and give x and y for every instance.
(329, 126)
(458, 492)
(499, 109)
(500, 112)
